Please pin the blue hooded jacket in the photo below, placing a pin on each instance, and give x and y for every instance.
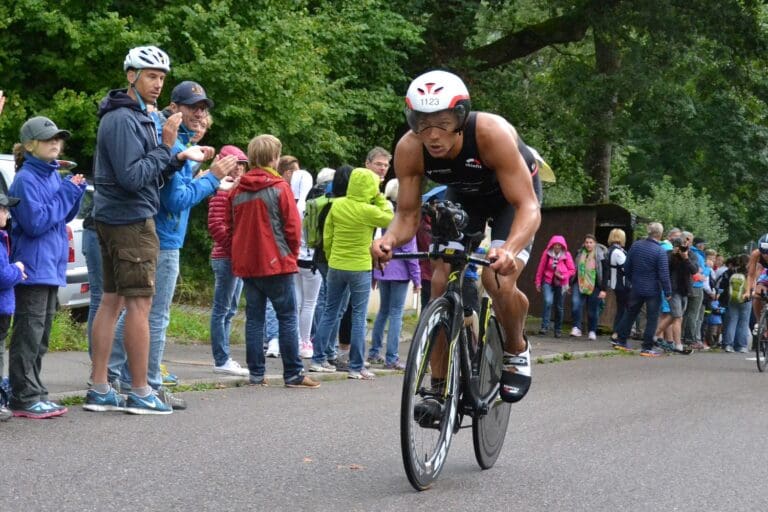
(39, 231)
(179, 195)
(10, 276)
(129, 162)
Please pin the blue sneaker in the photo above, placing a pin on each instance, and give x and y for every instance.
(102, 402)
(150, 404)
(169, 379)
(38, 411)
(56, 407)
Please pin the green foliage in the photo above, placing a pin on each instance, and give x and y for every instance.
(686, 102)
(324, 82)
(67, 335)
(188, 326)
(687, 208)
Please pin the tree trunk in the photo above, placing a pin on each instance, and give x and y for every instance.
(597, 160)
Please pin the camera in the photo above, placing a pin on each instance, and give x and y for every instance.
(448, 220)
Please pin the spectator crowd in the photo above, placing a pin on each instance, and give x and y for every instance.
(672, 293)
(300, 279)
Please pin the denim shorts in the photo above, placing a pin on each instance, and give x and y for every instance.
(129, 253)
(677, 305)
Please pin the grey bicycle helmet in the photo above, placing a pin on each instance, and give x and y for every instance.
(147, 57)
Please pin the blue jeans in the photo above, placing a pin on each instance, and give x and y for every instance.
(593, 307)
(634, 305)
(159, 317)
(272, 326)
(280, 291)
(391, 303)
(342, 284)
(552, 295)
(736, 332)
(226, 295)
(92, 253)
(330, 349)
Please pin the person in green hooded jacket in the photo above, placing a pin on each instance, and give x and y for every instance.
(347, 237)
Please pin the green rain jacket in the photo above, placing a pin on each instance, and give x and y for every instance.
(352, 220)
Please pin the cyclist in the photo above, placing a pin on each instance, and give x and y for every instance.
(757, 276)
(493, 175)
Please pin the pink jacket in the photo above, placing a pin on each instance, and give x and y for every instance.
(550, 263)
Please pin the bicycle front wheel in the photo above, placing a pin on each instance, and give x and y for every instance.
(489, 430)
(429, 407)
(760, 342)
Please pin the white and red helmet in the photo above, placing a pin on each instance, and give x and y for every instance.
(436, 91)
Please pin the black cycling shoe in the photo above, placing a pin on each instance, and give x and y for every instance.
(428, 413)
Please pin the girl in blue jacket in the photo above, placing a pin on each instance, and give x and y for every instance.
(39, 239)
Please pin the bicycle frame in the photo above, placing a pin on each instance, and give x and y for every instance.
(472, 403)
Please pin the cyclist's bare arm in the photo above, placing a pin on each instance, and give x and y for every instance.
(497, 142)
(409, 169)
(753, 270)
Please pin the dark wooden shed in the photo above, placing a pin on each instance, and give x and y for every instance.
(574, 223)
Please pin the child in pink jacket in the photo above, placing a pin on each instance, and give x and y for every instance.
(552, 277)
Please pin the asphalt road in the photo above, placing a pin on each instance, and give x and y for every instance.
(599, 434)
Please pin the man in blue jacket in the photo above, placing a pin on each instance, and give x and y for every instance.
(130, 164)
(647, 268)
(177, 197)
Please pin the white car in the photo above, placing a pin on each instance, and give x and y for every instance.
(76, 294)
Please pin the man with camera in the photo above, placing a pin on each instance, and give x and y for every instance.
(681, 271)
(493, 176)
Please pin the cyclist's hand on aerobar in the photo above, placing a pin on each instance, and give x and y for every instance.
(502, 261)
(381, 250)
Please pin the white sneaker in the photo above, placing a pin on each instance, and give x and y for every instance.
(576, 332)
(273, 349)
(231, 367)
(324, 367)
(306, 349)
(592, 335)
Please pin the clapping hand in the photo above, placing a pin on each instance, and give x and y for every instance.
(20, 265)
(197, 153)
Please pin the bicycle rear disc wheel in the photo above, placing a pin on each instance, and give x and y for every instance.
(489, 430)
(761, 343)
(424, 443)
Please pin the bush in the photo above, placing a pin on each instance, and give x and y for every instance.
(67, 335)
(685, 208)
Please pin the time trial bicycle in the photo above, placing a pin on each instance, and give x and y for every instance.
(433, 409)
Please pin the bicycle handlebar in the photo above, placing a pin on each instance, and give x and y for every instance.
(423, 255)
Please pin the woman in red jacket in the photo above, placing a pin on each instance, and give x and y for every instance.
(227, 287)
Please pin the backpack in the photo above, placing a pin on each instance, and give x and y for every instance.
(314, 220)
(622, 284)
(736, 287)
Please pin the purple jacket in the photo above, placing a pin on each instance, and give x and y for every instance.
(401, 270)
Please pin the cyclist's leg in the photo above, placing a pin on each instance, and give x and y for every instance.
(760, 287)
(509, 302)
(511, 307)
(438, 357)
